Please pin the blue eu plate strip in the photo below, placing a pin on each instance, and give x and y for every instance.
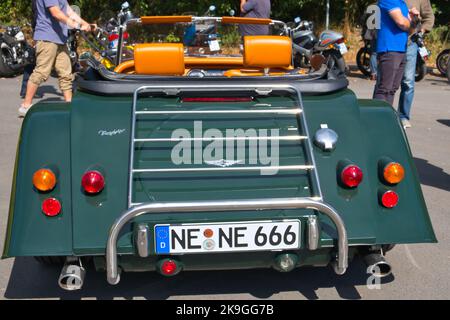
(162, 239)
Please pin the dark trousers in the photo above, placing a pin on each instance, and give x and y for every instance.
(391, 66)
(26, 75)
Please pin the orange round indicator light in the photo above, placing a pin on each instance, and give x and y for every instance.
(393, 173)
(44, 180)
(208, 233)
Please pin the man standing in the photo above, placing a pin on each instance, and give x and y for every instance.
(408, 81)
(391, 46)
(254, 9)
(53, 17)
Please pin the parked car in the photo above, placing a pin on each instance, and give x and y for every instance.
(175, 162)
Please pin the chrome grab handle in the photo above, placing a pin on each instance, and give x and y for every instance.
(113, 276)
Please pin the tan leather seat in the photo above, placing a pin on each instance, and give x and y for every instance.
(159, 59)
(267, 51)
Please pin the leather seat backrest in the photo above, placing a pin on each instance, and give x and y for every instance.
(159, 59)
(267, 51)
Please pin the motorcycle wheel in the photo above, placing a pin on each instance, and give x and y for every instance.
(442, 61)
(421, 70)
(448, 72)
(5, 69)
(336, 60)
(363, 61)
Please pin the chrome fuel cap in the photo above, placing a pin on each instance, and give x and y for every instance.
(326, 138)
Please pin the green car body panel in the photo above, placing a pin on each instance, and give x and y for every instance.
(93, 132)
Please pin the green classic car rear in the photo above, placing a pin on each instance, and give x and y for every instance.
(173, 174)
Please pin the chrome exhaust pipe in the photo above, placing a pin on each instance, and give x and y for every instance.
(72, 275)
(377, 265)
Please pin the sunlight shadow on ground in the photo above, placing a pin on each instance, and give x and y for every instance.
(29, 279)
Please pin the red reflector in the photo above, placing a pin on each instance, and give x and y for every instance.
(51, 207)
(221, 99)
(168, 267)
(389, 199)
(351, 176)
(93, 182)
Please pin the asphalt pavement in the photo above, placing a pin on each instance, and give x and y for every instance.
(419, 271)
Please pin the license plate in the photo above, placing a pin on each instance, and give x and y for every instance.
(227, 237)
(342, 48)
(423, 52)
(214, 45)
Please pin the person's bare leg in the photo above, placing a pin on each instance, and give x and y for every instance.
(31, 91)
(67, 95)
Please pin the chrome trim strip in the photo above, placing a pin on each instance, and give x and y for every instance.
(203, 169)
(263, 111)
(280, 138)
(113, 276)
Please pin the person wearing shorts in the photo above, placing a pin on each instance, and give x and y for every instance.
(53, 17)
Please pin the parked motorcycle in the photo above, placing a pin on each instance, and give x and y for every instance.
(422, 56)
(442, 61)
(72, 46)
(106, 38)
(15, 52)
(363, 58)
(364, 54)
(203, 35)
(330, 44)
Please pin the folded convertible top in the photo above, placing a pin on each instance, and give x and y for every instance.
(99, 80)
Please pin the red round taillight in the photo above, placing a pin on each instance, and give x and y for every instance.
(351, 176)
(93, 182)
(51, 207)
(389, 199)
(169, 267)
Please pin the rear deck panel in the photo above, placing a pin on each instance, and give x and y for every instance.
(94, 133)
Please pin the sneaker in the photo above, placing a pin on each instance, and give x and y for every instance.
(406, 123)
(23, 111)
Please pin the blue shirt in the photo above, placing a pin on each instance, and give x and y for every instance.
(47, 27)
(390, 36)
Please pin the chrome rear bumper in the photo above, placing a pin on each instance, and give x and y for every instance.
(340, 266)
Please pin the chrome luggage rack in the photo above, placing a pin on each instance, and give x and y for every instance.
(315, 202)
